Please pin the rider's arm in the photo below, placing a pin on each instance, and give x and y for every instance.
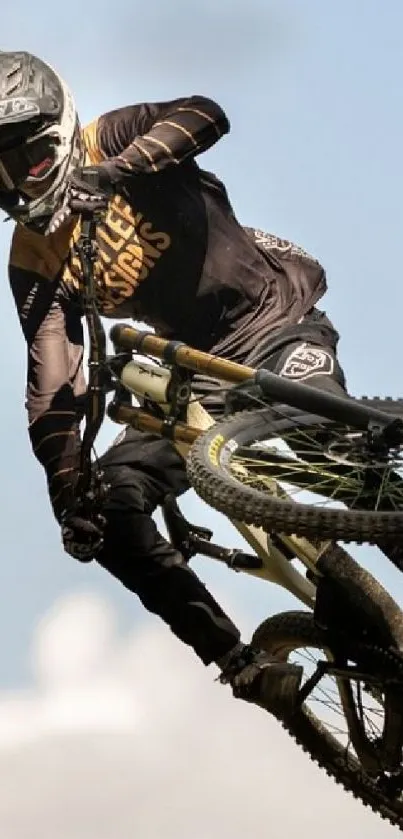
(149, 137)
(55, 379)
(304, 270)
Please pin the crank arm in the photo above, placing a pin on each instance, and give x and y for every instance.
(190, 539)
(232, 557)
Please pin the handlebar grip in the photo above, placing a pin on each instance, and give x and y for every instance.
(90, 176)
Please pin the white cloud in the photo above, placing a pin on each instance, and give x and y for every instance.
(123, 738)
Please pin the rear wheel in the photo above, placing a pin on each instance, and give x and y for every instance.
(297, 473)
(320, 726)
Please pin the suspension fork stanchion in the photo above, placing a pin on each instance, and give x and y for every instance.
(301, 396)
(141, 420)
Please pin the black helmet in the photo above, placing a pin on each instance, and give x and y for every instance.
(39, 138)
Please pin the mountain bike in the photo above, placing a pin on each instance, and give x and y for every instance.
(343, 456)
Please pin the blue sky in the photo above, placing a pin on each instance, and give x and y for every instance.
(312, 90)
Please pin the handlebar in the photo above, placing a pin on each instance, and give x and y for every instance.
(96, 394)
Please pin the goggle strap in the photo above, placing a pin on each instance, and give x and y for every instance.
(5, 177)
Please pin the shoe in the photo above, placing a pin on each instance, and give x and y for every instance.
(257, 677)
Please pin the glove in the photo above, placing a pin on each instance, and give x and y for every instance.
(90, 187)
(88, 190)
(82, 536)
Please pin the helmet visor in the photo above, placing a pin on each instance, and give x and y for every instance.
(30, 162)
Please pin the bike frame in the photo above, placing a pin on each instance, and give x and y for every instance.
(166, 387)
(167, 384)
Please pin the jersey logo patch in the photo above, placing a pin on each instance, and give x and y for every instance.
(305, 362)
(281, 247)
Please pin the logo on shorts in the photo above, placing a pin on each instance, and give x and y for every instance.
(305, 362)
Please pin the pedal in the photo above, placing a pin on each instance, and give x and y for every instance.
(191, 539)
(187, 538)
(235, 559)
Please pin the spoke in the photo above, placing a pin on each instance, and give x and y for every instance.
(272, 485)
(319, 475)
(326, 696)
(288, 469)
(291, 468)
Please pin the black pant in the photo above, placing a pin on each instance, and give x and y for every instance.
(142, 469)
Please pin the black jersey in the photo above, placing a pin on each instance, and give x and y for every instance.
(170, 252)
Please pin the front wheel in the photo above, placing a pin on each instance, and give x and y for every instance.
(291, 472)
(320, 725)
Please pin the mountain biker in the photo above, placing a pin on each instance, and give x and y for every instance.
(171, 253)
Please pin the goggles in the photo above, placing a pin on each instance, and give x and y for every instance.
(31, 162)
